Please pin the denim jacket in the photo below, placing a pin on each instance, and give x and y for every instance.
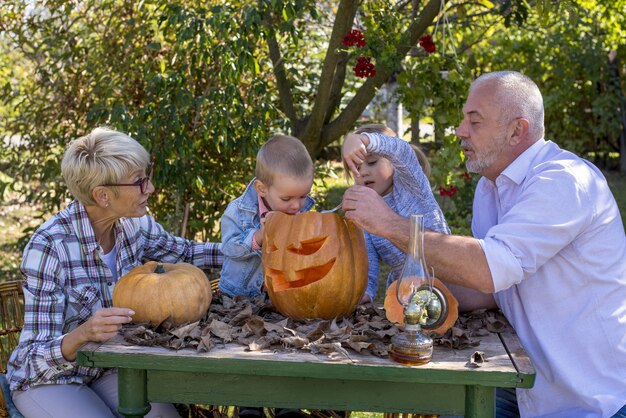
(242, 272)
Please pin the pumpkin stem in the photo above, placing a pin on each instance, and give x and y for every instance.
(159, 268)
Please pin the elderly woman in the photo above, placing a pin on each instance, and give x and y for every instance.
(71, 264)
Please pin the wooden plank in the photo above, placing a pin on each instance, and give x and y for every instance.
(299, 392)
(448, 366)
(443, 357)
(480, 402)
(519, 358)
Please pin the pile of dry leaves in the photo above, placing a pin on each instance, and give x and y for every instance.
(256, 324)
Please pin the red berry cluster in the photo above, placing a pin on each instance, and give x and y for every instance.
(466, 176)
(447, 191)
(427, 43)
(364, 67)
(354, 37)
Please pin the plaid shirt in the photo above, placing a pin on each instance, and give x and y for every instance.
(66, 280)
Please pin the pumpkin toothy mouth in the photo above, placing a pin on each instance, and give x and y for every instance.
(305, 276)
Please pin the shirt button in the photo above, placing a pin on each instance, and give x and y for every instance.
(109, 283)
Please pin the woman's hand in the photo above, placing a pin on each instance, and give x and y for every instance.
(101, 326)
(105, 323)
(354, 151)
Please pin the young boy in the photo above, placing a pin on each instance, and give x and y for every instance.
(284, 177)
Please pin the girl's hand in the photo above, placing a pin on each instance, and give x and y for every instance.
(354, 151)
(365, 299)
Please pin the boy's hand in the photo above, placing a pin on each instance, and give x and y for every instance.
(354, 151)
(258, 235)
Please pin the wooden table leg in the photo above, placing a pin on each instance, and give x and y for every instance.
(132, 394)
(480, 402)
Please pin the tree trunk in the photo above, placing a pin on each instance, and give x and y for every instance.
(327, 122)
(415, 129)
(616, 83)
(393, 112)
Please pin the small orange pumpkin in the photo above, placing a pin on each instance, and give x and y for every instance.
(395, 312)
(315, 264)
(156, 291)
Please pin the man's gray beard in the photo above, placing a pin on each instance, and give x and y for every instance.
(474, 166)
(484, 161)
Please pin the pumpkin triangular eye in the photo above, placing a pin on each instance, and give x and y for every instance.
(307, 247)
(270, 248)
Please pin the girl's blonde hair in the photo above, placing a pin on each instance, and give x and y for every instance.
(285, 155)
(379, 128)
(103, 156)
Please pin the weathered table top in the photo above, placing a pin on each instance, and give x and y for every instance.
(230, 375)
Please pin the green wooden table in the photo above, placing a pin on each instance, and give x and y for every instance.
(229, 375)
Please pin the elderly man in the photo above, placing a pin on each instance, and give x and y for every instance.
(549, 249)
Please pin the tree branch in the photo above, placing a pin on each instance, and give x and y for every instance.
(343, 22)
(365, 94)
(282, 83)
(335, 93)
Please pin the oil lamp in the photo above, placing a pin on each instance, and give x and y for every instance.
(415, 294)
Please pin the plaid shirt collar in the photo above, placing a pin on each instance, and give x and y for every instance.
(84, 231)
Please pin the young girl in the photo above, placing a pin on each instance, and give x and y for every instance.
(390, 166)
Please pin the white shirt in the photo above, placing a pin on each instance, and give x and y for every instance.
(555, 245)
(110, 259)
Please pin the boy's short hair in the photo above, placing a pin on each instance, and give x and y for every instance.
(283, 154)
(379, 128)
(102, 156)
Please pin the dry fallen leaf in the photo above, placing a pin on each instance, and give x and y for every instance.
(255, 324)
(476, 359)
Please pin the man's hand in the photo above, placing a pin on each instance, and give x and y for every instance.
(367, 209)
(354, 151)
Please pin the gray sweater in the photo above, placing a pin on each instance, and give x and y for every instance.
(411, 194)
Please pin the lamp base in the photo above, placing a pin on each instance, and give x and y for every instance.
(412, 348)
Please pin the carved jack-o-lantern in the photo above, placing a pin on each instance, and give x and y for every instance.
(315, 264)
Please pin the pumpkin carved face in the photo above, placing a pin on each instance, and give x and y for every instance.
(315, 264)
(156, 291)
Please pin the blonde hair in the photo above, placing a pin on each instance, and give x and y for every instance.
(283, 154)
(379, 128)
(100, 157)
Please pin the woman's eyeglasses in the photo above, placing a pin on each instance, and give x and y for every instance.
(142, 182)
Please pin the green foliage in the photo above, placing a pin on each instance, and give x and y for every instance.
(567, 54)
(434, 86)
(563, 47)
(159, 71)
(203, 84)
